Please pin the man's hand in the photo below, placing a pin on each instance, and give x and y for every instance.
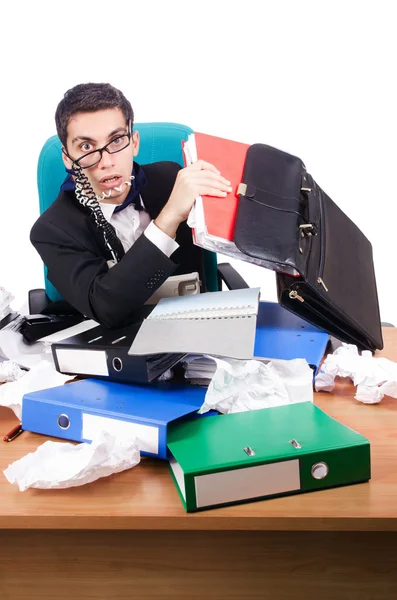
(198, 179)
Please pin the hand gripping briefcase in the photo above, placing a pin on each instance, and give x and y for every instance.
(285, 218)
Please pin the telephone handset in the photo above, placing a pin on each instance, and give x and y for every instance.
(34, 327)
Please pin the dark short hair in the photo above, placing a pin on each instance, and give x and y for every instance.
(89, 97)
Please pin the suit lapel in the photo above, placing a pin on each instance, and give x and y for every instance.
(160, 181)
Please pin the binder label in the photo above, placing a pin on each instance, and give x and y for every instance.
(147, 435)
(83, 362)
(249, 482)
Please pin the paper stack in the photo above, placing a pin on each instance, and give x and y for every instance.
(5, 309)
(199, 369)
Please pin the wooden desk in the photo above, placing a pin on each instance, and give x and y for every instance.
(127, 536)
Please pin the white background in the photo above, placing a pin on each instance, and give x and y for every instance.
(316, 79)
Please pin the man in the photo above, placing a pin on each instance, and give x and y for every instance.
(117, 230)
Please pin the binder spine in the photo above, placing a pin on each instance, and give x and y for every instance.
(52, 419)
(78, 425)
(309, 472)
(336, 467)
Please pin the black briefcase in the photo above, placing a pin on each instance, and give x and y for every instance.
(285, 218)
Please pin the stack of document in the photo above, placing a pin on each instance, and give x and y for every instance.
(5, 309)
(199, 369)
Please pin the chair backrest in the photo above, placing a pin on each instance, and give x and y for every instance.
(159, 141)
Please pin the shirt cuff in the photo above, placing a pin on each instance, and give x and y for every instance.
(160, 239)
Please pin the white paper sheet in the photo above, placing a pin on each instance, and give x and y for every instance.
(14, 348)
(57, 465)
(5, 301)
(40, 377)
(240, 385)
(10, 371)
(373, 377)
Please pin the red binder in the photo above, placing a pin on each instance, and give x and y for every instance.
(229, 158)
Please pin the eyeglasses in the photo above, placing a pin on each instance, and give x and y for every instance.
(92, 158)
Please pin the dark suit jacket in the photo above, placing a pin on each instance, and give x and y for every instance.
(74, 251)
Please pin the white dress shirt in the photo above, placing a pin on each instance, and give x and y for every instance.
(130, 223)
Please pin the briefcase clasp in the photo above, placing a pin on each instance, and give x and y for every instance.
(308, 229)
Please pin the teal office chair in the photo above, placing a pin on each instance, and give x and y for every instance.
(159, 141)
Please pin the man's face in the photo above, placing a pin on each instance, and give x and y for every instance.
(88, 131)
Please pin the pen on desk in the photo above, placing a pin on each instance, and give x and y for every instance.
(14, 433)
